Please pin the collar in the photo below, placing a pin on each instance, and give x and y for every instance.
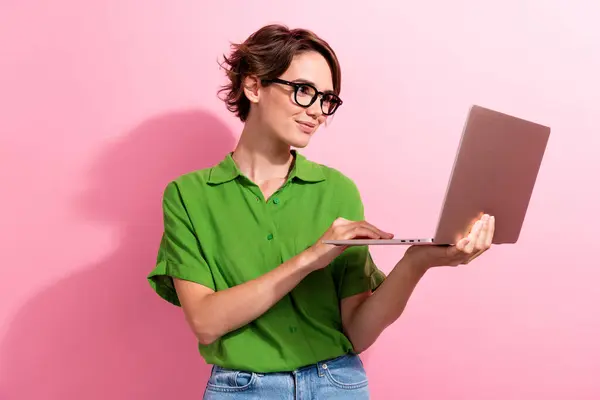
(306, 170)
(225, 171)
(303, 169)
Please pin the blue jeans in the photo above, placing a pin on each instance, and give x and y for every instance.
(340, 378)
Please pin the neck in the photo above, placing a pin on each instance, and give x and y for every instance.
(260, 156)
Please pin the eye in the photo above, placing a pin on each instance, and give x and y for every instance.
(329, 98)
(306, 90)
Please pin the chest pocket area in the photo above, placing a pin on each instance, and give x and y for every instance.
(244, 249)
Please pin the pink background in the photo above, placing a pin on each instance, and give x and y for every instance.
(101, 103)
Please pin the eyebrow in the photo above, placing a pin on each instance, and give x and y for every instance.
(312, 83)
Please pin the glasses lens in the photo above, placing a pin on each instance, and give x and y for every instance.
(305, 95)
(330, 104)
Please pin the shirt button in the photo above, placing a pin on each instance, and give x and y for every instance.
(276, 200)
(293, 329)
(270, 236)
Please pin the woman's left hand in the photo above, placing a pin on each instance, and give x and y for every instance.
(478, 241)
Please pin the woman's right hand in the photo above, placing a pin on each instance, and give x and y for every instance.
(343, 229)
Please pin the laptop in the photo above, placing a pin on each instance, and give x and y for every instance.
(494, 172)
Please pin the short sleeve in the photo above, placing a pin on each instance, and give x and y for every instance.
(355, 269)
(179, 254)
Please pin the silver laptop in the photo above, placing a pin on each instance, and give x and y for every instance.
(494, 172)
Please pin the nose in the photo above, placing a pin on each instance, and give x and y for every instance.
(314, 110)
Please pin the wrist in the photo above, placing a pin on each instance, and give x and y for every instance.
(415, 263)
(308, 260)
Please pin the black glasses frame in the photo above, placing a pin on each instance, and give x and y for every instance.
(298, 85)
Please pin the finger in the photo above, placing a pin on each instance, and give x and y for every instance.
(382, 233)
(341, 221)
(365, 225)
(471, 225)
(482, 245)
(490, 232)
(482, 235)
(462, 243)
(473, 237)
(359, 232)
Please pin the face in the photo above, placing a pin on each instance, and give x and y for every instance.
(275, 104)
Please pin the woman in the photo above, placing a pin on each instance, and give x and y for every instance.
(277, 312)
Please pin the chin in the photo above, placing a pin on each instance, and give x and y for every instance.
(300, 143)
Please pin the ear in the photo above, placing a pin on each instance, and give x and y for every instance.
(251, 88)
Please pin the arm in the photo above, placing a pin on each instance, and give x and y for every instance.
(212, 314)
(182, 277)
(366, 315)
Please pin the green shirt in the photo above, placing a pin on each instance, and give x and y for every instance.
(219, 231)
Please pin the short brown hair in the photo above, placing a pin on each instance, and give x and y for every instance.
(268, 53)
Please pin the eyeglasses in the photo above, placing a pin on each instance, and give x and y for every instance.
(306, 94)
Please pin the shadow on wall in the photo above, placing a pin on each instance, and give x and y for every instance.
(102, 333)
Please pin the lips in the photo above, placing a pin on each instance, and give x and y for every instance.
(306, 127)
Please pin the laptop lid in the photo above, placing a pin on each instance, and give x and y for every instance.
(494, 172)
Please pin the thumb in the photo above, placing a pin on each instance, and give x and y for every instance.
(461, 245)
(340, 221)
